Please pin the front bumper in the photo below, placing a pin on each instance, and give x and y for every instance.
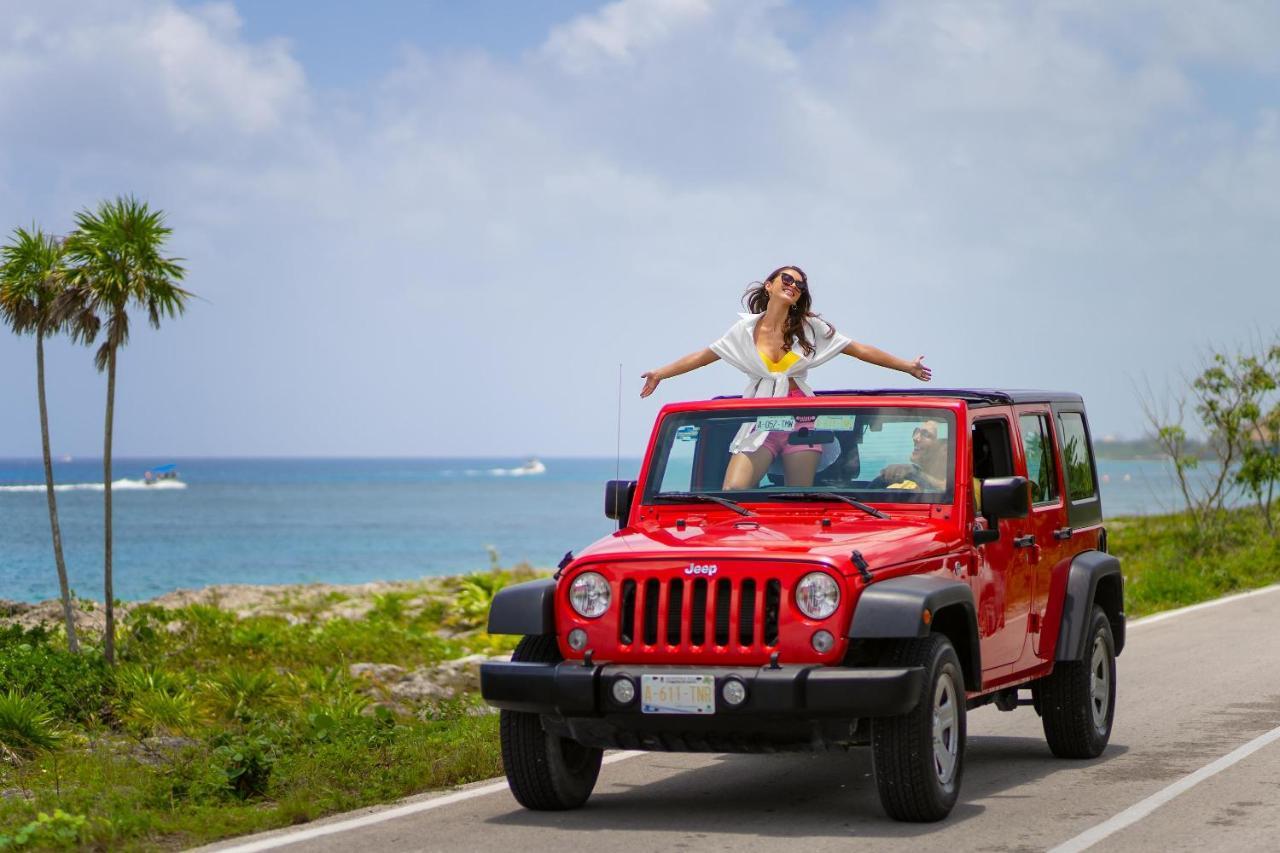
(570, 689)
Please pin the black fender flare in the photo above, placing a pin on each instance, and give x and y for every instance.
(1087, 571)
(894, 609)
(524, 608)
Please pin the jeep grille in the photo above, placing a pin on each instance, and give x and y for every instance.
(727, 612)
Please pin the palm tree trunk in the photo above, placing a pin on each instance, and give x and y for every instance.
(63, 588)
(109, 637)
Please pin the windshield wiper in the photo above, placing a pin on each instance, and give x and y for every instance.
(694, 496)
(832, 496)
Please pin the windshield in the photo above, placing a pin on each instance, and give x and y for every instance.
(886, 454)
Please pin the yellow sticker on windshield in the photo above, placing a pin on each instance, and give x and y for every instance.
(836, 422)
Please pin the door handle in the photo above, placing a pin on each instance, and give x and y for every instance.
(1063, 533)
(1028, 541)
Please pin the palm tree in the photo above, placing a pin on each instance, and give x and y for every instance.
(31, 275)
(115, 263)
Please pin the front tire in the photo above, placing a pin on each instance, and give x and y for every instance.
(1078, 699)
(918, 757)
(545, 772)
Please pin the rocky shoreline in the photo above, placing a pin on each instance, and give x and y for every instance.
(398, 688)
(295, 603)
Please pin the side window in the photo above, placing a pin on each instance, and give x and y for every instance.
(1077, 456)
(992, 453)
(1037, 443)
(992, 450)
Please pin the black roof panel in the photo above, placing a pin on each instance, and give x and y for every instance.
(977, 396)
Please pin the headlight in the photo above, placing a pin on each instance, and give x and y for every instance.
(817, 595)
(589, 594)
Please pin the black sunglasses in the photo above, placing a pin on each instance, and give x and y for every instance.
(791, 281)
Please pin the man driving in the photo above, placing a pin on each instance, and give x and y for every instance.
(928, 465)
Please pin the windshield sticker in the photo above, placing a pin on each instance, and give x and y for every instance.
(836, 422)
(688, 432)
(774, 423)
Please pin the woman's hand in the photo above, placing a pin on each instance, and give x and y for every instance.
(918, 370)
(692, 361)
(651, 380)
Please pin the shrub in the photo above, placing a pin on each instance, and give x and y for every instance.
(240, 694)
(389, 606)
(59, 830)
(245, 762)
(16, 635)
(475, 595)
(26, 726)
(75, 687)
(160, 712)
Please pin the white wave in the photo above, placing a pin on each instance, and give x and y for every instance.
(122, 485)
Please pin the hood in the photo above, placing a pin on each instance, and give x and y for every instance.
(882, 542)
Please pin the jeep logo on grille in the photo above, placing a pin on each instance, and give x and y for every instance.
(708, 569)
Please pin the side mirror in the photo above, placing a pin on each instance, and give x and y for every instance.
(985, 535)
(618, 495)
(1006, 497)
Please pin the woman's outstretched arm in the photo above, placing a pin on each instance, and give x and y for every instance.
(872, 355)
(692, 361)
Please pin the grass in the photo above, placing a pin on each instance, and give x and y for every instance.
(1168, 564)
(214, 725)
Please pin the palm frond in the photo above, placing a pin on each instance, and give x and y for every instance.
(31, 276)
(115, 262)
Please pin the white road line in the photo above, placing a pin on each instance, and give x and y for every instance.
(1139, 810)
(1204, 605)
(390, 814)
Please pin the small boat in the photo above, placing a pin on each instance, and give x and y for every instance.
(160, 474)
(533, 466)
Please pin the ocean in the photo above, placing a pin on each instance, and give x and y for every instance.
(339, 520)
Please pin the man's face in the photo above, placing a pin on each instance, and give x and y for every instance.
(924, 438)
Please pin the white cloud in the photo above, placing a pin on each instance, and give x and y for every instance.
(620, 30)
(993, 184)
(142, 79)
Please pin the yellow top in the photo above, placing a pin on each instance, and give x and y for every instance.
(781, 365)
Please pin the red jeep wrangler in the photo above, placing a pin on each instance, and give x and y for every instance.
(949, 553)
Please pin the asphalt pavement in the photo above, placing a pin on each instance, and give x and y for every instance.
(1193, 687)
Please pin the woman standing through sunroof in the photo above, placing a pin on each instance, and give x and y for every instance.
(776, 344)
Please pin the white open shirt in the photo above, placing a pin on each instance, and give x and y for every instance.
(738, 348)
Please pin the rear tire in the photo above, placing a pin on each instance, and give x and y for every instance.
(1078, 699)
(918, 757)
(545, 772)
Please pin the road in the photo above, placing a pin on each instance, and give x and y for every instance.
(1194, 686)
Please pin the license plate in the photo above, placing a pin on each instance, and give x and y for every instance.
(677, 694)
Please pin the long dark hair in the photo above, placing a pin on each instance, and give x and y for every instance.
(756, 299)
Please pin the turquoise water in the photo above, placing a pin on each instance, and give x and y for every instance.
(336, 520)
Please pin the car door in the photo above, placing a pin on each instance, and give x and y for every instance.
(1047, 521)
(1002, 584)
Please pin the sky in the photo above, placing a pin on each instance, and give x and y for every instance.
(439, 229)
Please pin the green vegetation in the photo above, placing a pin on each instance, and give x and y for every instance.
(213, 725)
(110, 264)
(1236, 398)
(1169, 561)
(1144, 448)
